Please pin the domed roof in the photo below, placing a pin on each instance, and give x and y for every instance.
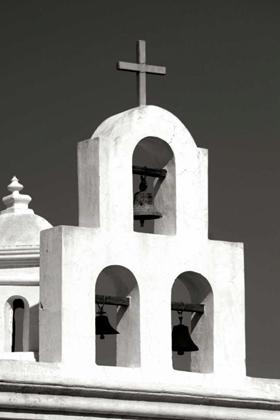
(19, 226)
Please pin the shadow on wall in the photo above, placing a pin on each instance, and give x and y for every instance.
(34, 328)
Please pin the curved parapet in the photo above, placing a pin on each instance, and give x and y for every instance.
(105, 172)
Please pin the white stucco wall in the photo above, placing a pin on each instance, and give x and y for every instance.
(19, 271)
(72, 259)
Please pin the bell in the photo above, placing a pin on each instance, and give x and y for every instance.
(102, 325)
(181, 339)
(143, 204)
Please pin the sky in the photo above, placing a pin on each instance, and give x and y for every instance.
(59, 82)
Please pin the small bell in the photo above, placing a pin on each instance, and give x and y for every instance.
(102, 324)
(143, 204)
(181, 339)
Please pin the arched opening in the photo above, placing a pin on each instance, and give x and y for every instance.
(122, 349)
(16, 325)
(17, 333)
(152, 152)
(181, 293)
(193, 288)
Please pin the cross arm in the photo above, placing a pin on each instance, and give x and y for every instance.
(122, 65)
(142, 68)
(155, 69)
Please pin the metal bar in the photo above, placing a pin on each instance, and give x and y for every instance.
(175, 306)
(112, 300)
(187, 307)
(154, 172)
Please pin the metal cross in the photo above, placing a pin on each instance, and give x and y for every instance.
(141, 68)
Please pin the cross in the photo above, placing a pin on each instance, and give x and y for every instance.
(141, 68)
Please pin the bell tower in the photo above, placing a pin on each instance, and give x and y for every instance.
(110, 247)
(143, 266)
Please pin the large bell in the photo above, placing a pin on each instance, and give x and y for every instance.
(181, 339)
(143, 204)
(102, 325)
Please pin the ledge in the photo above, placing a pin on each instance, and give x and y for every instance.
(20, 257)
(36, 401)
(21, 282)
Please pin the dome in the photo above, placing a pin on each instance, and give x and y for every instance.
(19, 226)
(21, 230)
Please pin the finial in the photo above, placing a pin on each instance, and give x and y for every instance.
(15, 185)
(16, 202)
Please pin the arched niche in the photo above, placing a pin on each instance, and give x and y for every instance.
(122, 349)
(153, 152)
(192, 287)
(16, 323)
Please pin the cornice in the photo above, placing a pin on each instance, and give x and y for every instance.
(58, 401)
(19, 282)
(20, 257)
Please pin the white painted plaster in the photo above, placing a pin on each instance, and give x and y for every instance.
(72, 259)
(19, 227)
(19, 270)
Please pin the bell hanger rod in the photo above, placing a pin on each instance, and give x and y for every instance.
(112, 300)
(187, 307)
(154, 172)
(175, 306)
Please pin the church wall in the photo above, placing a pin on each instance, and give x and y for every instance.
(85, 253)
(226, 273)
(67, 297)
(66, 379)
(72, 256)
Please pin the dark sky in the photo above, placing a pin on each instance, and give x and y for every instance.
(59, 82)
